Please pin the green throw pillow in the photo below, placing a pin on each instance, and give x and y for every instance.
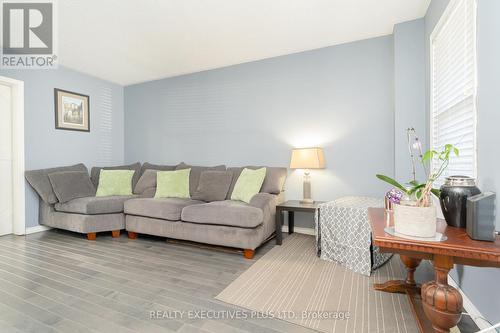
(172, 184)
(115, 182)
(248, 184)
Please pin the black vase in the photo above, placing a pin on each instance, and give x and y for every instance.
(453, 199)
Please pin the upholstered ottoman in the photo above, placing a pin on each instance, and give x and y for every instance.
(343, 234)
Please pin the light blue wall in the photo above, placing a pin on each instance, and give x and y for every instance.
(488, 142)
(481, 285)
(339, 98)
(409, 93)
(47, 147)
(355, 100)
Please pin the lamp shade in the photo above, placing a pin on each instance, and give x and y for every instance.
(307, 158)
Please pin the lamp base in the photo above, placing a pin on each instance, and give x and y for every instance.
(307, 201)
(307, 190)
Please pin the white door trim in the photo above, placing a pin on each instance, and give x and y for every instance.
(18, 182)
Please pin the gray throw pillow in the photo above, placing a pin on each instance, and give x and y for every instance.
(275, 180)
(160, 167)
(194, 175)
(147, 180)
(39, 180)
(69, 185)
(148, 193)
(213, 186)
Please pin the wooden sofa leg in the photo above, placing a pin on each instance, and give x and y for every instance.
(115, 233)
(132, 235)
(91, 236)
(248, 253)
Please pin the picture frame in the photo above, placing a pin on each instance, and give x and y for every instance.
(72, 110)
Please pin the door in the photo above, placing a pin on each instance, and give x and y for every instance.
(6, 202)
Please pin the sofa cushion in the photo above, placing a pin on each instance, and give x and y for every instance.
(273, 183)
(213, 186)
(194, 176)
(82, 223)
(96, 171)
(228, 213)
(39, 180)
(94, 205)
(158, 167)
(69, 185)
(164, 208)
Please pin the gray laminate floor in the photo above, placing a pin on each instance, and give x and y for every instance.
(57, 281)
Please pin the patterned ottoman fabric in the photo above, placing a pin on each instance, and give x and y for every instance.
(343, 234)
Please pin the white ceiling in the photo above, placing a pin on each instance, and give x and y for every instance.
(131, 41)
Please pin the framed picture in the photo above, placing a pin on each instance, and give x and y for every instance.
(72, 110)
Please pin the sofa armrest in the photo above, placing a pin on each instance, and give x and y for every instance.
(263, 200)
(267, 202)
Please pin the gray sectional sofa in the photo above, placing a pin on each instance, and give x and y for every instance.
(223, 222)
(87, 215)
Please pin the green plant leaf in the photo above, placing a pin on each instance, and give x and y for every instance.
(391, 181)
(436, 192)
(429, 155)
(418, 194)
(455, 150)
(413, 183)
(415, 189)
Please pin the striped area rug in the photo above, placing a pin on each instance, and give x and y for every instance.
(291, 283)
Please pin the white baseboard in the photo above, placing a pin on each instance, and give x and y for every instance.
(38, 228)
(300, 230)
(470, 308)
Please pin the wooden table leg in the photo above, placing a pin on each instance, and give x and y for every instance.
(291, 222)
(279, 223)
(442, 303)
(400, 286)
(412, 291)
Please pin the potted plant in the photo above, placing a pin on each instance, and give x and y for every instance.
(415, 215)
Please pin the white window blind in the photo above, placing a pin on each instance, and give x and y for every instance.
(453, 86)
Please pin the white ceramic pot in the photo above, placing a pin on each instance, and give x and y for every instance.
(415, 221)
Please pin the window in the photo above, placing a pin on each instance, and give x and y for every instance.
(453, 86)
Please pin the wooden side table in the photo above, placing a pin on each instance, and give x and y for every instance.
(291, 206)
(436, 305)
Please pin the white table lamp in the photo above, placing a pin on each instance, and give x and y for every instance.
(307, 158)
